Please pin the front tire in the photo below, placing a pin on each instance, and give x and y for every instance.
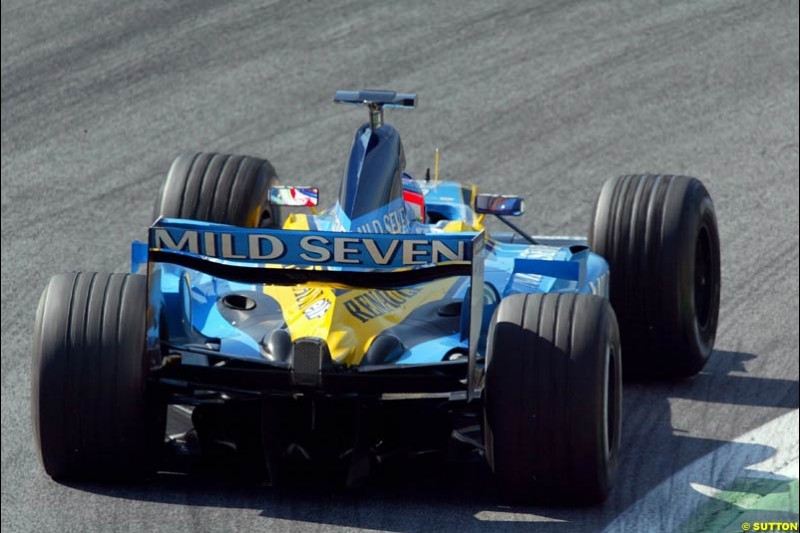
(93, 417)
(659, 235)
(228, 189)
(553, 398)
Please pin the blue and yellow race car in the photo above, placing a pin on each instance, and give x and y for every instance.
(389, 323)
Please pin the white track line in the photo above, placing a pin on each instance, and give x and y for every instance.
(685, 491)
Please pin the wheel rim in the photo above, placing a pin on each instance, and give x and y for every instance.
(610, 402)
(703, 279)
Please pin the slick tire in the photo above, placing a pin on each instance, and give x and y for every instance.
(93, 416)
(553, 398)
(228, 189)
(659, 235)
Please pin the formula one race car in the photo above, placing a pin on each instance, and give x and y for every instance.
(389, 323)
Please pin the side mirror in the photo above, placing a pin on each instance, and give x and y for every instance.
(294, 196)
(499, 204)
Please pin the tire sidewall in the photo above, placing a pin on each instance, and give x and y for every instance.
(685, 221)
(601, 351)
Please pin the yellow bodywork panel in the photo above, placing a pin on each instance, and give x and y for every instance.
(296, 221)
(351, 319)
(457, 226)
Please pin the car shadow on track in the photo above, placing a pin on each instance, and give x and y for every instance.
(425, 495)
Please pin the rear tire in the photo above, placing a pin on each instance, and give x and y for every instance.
(228, 189)
(553, 398)
(659, 235)
(93, 416)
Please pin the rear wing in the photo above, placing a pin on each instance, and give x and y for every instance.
(291, 257)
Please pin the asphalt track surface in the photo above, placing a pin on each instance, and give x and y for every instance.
(544, 99)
